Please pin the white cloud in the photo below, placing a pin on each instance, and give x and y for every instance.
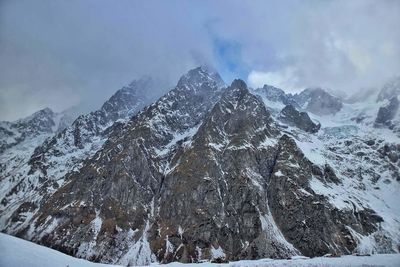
(342, 45)
(285, 79)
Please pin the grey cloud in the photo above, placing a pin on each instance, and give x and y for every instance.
(85, 50)
(64, 53)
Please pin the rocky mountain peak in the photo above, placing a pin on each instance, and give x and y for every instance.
(238, 95)
(43, 114)
(89, 131)
(129, 99)
(387, 112)
(236, 92)
(390, 89)
(200, 75)
(273, 91)
(42, 121)
(39, 123)
(301, 120)
(239, 84)
(318, 101)
(44, 111)
(275, 98)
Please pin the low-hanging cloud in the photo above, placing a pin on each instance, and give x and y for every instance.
(285, 78)
(65, 53)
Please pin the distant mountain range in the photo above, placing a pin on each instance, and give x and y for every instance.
(207, 172)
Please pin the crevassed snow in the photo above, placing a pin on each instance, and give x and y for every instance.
(15, 252)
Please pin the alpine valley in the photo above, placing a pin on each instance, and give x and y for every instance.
(207, 171)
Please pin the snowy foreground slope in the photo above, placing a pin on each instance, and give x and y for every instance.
(15, 252)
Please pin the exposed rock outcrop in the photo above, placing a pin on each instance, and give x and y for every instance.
(301, 120)
(276, 95)
(318, 101)
(387, 113)
(307, 219)
(390, 89)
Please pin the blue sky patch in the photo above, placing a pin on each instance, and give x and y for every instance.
(228, 54)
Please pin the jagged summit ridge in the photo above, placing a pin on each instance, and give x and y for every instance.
(128, 100)
(199, 75)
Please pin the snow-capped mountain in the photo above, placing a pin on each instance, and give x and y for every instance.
(211, 172)
(292, 117)
(315, 100)
(20, 139)
(43, 122)
(35, 168)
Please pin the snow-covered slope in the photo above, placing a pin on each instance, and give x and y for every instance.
(18, 141)
(15, 252)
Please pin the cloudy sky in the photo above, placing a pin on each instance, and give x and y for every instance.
(60, 54)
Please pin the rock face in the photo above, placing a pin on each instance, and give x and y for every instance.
(276, 95)
(307, 219)
(301, 120)
(388, 115)
(390, 89)
(215, 191)
(387, 112)
(318, 101)
(207, 173)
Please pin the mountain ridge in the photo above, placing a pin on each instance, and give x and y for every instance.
(213, 172)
